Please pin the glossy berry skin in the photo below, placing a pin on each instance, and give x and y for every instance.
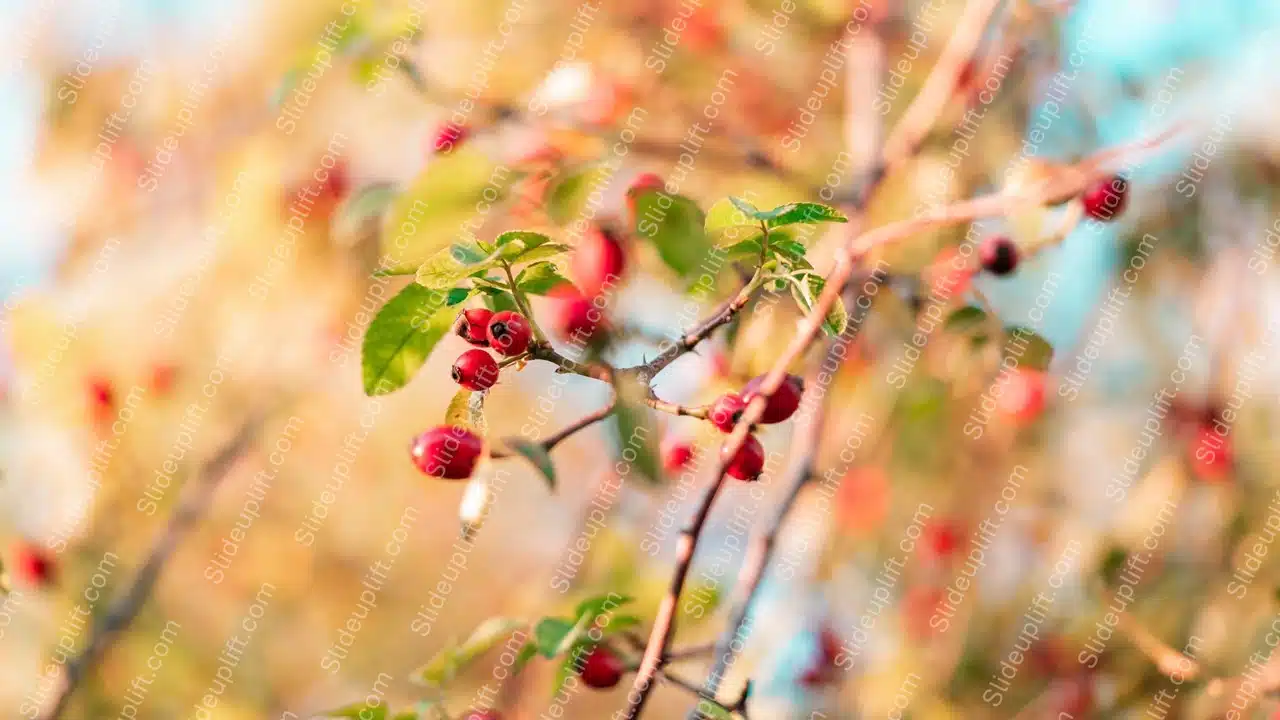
(473, 326)
(783, 404)
(475, 369)
(726, 411)
(449, 136)
(576, 318)
(748, 462)
(598, 262)
(448, 452)
(676, 456)
(1106, 198)
(602, 669)
(998, 254)
(1022, 399)
(31, 565)
(508, 333)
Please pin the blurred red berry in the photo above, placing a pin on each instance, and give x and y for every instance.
(998, 254)
(782, 404)
(449, 136)
(575, 316)
(822, 669)
(676, 455)
(748, 462)
(508, 333)
(473, 326)
(598, 262)
(102, 399)
(475, 369)
(1106, 198)
(32, 566)
(862, 501)
(1212, 456)
(163, 377)
(643, 184)
(448, 452)
(1022, 398)
(919, 604)
(602, 669)
(939, 540)
(726, 411)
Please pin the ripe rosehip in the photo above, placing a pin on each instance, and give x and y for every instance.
(449, 135)
(1106, 198)
(473, 326)
(676, 455)
(1211, 454)
(939, 540)
(726, 411)
(575, 317)
(32, 565)
(448, 452)
(508, 333)
(475, 369)
(998, 254)
(782, 404)
(601, 669)
(748, 462)
(598, 262)
(1022, 399)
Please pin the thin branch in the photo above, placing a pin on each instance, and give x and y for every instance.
(700, 332)
(195, 501)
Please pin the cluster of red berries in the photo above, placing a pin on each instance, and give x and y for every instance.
(726, 411)
(1102, 201)
(507, 332)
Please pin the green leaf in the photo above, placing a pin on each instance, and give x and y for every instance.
(595, 606)
(524, 239)
(549, 633)
(466, 410)
(447, 267)
(458, 295)
(807, 289)
(1032, 351)
(469, 253)
(361, 209)
(439, 207)
(568, 197)
(710, 710)
(540, 278)
(745, 250)
(534, 453)
(401, 337)
(359, 711)
(674, 224)
(574, 658)
(802, 213)
(498, 300)
(965, 319)
(452, 658)
(527, 652)
(541, 252)
(728, 224)
(747, 208)
(635, 430)
(787, 247)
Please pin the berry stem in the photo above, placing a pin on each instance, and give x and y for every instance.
(522, 302)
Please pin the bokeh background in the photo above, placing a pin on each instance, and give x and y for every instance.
(138, 329)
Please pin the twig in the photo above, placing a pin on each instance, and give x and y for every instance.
(195, 501)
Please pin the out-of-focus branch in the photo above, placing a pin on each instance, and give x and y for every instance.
(195, 500)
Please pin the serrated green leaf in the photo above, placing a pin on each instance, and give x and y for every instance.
(806, 288)
(597, 605)
(466, 409)
(787, 247)
(635, 430)
(727, 224)
(498, 300)
(801, 213)
(527, 652)
(618, 623)
(361, 209)
(745, 250)
(747, 208)
(548, 634)
(447, 267)
(541, 252)
(457, 296)
(568, 196)
(452, 658)
(469, 253)
(674, 224)
(540, 278)
(525, 238)
(535, 454)
(1032, 351)
(965, 319)
(401, 336)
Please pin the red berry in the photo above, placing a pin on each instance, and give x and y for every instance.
(998, 254)
(676, 455)
(162, 378)
(475, 369)
(940, 540)
(726, 411)
(601, 669)
(32, 565)
(748, 462)
(1211, 454)
(1022, 398)
(473, 326)
(101, 398)
(508, 333)
(448, 452)
(822, 670)
(450, 135)
(576, 317)
(1106, 198)
(598, 262)
(782, 404)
